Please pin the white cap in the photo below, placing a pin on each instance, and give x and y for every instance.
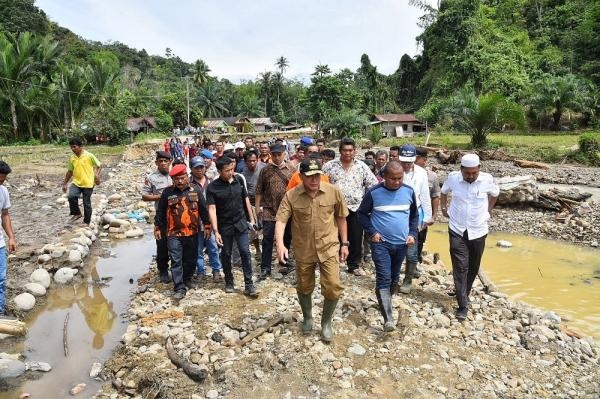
(469, 160)
(239, 144)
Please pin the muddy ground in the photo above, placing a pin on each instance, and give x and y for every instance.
(299, 367)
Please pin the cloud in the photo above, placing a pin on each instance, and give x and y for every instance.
(242, 38)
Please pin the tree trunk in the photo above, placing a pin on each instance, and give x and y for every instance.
(13, 113)
(556, 117)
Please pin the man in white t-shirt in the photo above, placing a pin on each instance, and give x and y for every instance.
(474, 194)
(7, 226)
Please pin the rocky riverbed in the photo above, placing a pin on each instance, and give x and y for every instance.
(505, 349)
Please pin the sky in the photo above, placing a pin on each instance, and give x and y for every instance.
(239, 39)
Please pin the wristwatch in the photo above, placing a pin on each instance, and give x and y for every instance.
(345, 243)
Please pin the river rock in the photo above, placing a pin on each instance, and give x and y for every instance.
(74, 256)
(62, 200)
(135, 232)
(35, 289)
(38, 366)
(114, 197)
(64, 275)
(95, 370)
(77, 389)
(504, 244)
(120, 223)
(44, 258)
(517, 189)
(212, 394)
(11, 368)
(356, 349)
(41, 276)
(24, 301)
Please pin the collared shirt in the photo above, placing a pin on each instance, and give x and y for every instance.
(391, 213)
(314, 227)
(229, 199)
(419, 181)
(82, 168)
(353, 182)
(179, 211)
(469, 205)
(271, 187)
(155, 183)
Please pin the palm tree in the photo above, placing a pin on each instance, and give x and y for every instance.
(250, 106)
(103, 80)
(555, 94)
(74, 94)
(265, 83)
(282, 63)
(321, 70)
(480, 115)
(200, 72)
(211, 101)
(17, 55)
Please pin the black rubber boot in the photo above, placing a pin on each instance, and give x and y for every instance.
(408, 276)
(306, 306)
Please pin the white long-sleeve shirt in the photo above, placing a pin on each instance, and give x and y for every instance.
(419, 181)
(469, 205)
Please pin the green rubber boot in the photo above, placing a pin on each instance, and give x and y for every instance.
(306, 305)
(326, 329)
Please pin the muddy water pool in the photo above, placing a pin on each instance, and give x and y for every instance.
(95, 325)
(547, 274)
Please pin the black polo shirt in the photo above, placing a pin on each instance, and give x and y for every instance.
(229, 200)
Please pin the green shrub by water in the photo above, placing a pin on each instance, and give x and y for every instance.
(589, 148)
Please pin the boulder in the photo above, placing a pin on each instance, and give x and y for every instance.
(64, 275)
(41, 276)
(24, 301)
(10, 368)
(135, 232)
(517, 189)
(114, 197)
(38, 366)
(504, 244)
(35, 289)
(44, 258)
(122, 223)
(74, 256)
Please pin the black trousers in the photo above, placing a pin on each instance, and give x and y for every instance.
(268, 242)
(241, 240)
(420, 241)
(183, 252)
(162, 253)
(466, 258)
(73, 198)
(355, 236)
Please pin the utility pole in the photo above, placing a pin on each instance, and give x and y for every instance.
(187, 86)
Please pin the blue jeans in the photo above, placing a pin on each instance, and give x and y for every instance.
(3, 265)
(213, 254)
(388, 259)
(183, 252)
(241, 239)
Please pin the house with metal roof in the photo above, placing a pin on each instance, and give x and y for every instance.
(398, 125)
(264, 124)
(143, 124)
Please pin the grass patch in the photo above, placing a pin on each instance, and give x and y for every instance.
(544, 147)
(21, 156)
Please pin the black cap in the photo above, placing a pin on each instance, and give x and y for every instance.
(277, 148)
(163, 154)
(310, 167)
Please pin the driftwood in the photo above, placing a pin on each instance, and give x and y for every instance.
(487, 283)
(557, 200)
(13, 327)
(190, 369)
(446, 157)
(530, 164)
(259, 331)
(65, 344)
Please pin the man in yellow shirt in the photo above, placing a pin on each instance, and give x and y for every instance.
(84, 168)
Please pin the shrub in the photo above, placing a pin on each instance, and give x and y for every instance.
(589, 147)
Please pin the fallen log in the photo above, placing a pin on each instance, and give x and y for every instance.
(192, 370)
(487, 283)
(530, 164)
(13, 327)
(259, 331)
(446, 157)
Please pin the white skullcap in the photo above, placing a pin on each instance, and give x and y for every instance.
(469, 160)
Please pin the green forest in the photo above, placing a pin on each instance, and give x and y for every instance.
(484, 66)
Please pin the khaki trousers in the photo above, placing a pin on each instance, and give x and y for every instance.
(331, 286)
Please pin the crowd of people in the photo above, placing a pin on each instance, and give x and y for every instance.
(317, 210)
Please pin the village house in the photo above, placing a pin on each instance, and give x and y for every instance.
(398, 125)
